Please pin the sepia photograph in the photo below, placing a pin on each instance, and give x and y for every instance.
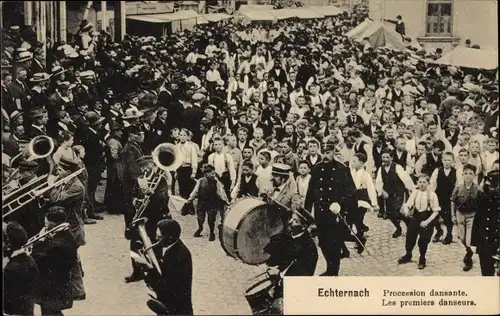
(185, 157)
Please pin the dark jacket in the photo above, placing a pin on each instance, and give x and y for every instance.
(21, 277)
(55, 259)
(486, 226)
(173, 287)
(94, 149)
(331, 181)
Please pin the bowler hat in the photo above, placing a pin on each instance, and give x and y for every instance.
(93, 118)
(67, 163)
(115, 125)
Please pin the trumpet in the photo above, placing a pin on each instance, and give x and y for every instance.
(167, 158)
(25, 198)
(43, 235)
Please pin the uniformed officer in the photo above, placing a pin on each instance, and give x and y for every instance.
(486, 227)
(331, 192)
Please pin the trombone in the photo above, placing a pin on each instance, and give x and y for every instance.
(42, 235)
(37, 191)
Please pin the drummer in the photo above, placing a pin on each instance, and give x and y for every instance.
(293, 254)
(284, 193)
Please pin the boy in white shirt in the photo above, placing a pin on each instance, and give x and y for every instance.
(223, 164)
(424, 206)
(302, 180)
(490, 155)
(264, 172)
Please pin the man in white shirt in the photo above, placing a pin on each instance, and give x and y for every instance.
(393, 184)
(223, 164)
(366, 191)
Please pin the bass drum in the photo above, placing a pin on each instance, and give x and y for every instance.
(247, 228)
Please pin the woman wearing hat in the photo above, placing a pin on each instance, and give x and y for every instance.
(115, 169)
(38, 90)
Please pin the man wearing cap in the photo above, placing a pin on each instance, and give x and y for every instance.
(8, 51)
(40, 119)
(293, 254)
(20, 274)
(30, 216)
(331, 192)
(94, 160)
(57, 260)
(70, 196)
(115, 169)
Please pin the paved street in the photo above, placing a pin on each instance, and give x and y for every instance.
(220, 281)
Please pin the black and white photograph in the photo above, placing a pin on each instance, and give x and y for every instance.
(184, 157)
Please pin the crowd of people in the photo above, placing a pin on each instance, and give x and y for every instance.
(252, 109)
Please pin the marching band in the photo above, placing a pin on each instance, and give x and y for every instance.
(277, 167)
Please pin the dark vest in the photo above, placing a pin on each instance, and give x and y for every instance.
(401, 161)
(431, 164)
(361, 149)
(396, 97)
(392, 183)
(248, 188)
(207, 195)
(445, 185)
(377, 157)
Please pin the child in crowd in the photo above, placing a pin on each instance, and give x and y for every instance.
(212, 199)
(464, 202)
(248, 182)
(264, 171)
(302, 180)
(422, 208)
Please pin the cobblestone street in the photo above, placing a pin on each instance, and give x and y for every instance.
(220, 281)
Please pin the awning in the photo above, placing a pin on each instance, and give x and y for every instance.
(165, 17)
(260, 15)
(146, 18)
(306, 13)
(216, 17)
(249, 7)
(470, 58)
(283, 14)
(327, 10)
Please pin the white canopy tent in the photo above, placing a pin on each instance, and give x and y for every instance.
(470, 58)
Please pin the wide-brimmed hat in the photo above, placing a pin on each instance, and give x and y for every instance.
(132, 113)
(89, 74)
(57, 70)
(40, 77)
(93, 118)
(281, 169)
(27, 165)
(24, 56)
(15, 114)
(115, 125)
(144, 161)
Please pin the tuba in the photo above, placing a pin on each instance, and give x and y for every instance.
(167, 158)
(40, 147)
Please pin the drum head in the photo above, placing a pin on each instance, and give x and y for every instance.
(261, 286)
(255, 231)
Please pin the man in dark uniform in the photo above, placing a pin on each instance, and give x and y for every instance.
(486, 227)
(20, 274)
(331, 193)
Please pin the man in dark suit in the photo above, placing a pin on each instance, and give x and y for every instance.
(59, 100)
(291, 254)
(278, 73)
(56, 257)
(94, 160)
(173, 286)
(40, 119)
(331, 190)
(20, 275)
(170, 101)
(20, 91)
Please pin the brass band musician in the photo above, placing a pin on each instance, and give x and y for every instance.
(156, 209)
(20, 274)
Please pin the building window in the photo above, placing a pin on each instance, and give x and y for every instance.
(439, 17)
(99, 25)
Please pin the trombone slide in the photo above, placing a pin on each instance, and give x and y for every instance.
(148, 246)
